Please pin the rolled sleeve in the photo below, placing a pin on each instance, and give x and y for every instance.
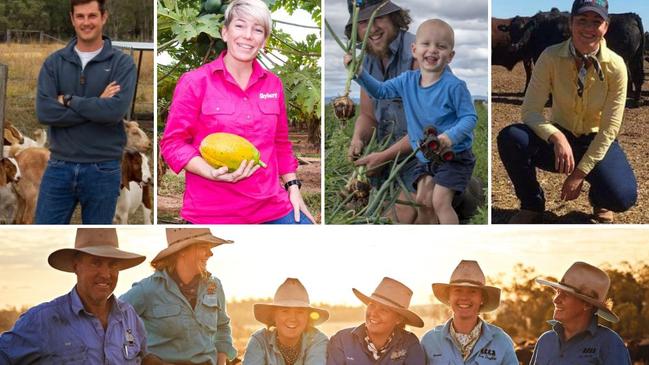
(176, 144)
(286, 161)
(536, 96)
(611, 119)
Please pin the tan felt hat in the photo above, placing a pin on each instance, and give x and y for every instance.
(291, 294)
(588, 283)
(180, 238)
(100, 242)
(469, 274)
(395, 296)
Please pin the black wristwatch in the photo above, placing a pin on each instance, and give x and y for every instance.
(291, 183)
(67, 98)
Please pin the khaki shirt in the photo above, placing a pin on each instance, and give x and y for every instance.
(600, 110)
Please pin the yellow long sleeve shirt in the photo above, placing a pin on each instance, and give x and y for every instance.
(600, 110)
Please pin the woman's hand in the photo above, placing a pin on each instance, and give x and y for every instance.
(244, 171)
(295, 197)
(572, 185)
(564, 161)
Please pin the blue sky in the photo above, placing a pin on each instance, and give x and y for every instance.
(510, 8)
(469, 19)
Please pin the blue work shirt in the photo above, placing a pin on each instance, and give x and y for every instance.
(348, 347)
(446, 105)
(176, 331)
(596, 345)
(262, 348)
(63, 332)
(493, 347)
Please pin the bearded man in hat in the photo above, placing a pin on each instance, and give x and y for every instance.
(88, 325)
(382, 339)
(389, 54)
(182, 304)
(576, 337)
(466, 338)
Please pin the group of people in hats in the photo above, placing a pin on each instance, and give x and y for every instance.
(178, 316)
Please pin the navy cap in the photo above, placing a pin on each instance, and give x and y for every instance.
(598, 6)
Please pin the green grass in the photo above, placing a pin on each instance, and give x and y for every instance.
(338, 168)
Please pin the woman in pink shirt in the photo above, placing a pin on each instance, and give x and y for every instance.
(234, 94)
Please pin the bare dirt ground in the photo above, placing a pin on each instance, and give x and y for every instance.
(507, 97)
(170, 194)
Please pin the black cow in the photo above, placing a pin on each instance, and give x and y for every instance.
(502, 54)
(639, 351)
(625, 37)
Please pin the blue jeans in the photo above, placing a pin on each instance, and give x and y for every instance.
(613, 184)
(94, 185)
(290, 219)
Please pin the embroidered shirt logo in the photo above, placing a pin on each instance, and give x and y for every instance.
(589, 350)
(488, 354)
(263, 96)
(398, 354)
(107, 69)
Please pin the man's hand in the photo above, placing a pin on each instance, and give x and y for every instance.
(348, 59)
(564, 161)
(572, 185)
(111, 90)
(355, 149)
(60, 99)
(374, 162)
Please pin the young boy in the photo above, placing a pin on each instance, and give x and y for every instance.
(434, 97)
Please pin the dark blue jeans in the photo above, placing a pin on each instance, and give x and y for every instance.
(65, 184)
(612, 182)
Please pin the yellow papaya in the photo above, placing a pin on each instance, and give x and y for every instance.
(226, 149)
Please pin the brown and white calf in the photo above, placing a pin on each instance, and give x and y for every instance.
(136, 138)
(32, 162)
(136, 188)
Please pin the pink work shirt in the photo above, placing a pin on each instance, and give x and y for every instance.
(208, 100)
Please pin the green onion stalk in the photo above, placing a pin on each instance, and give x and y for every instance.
(343, 106)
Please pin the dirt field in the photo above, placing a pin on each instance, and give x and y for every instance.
(507, 96)
(172, 187)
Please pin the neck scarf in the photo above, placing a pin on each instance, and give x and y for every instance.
(466, 342)
(290, 353)
(376, 352)
(585, 60)
(189, 290)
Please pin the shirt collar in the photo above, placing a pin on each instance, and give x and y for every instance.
(218, 65)
(604, 54)
(591, 329)
(77, 305)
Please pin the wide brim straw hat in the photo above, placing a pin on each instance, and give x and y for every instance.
(368, 6)
(101, 242)
(394, 295)
(469, 274)
(588, 283)
(291, 294)
(181, 238)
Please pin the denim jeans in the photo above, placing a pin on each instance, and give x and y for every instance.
(613, 184)
(290, 219)
(93, 185)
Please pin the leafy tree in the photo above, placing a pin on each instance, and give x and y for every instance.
(190, 35)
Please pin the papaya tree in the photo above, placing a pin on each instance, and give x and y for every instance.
(189, 36)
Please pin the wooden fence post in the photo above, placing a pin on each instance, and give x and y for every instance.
(4, 77)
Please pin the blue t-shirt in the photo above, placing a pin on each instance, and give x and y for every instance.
(446, 105)
(596, 345)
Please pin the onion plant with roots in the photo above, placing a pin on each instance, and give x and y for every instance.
(343, 105)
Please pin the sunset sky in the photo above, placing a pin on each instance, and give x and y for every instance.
(328, 260)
